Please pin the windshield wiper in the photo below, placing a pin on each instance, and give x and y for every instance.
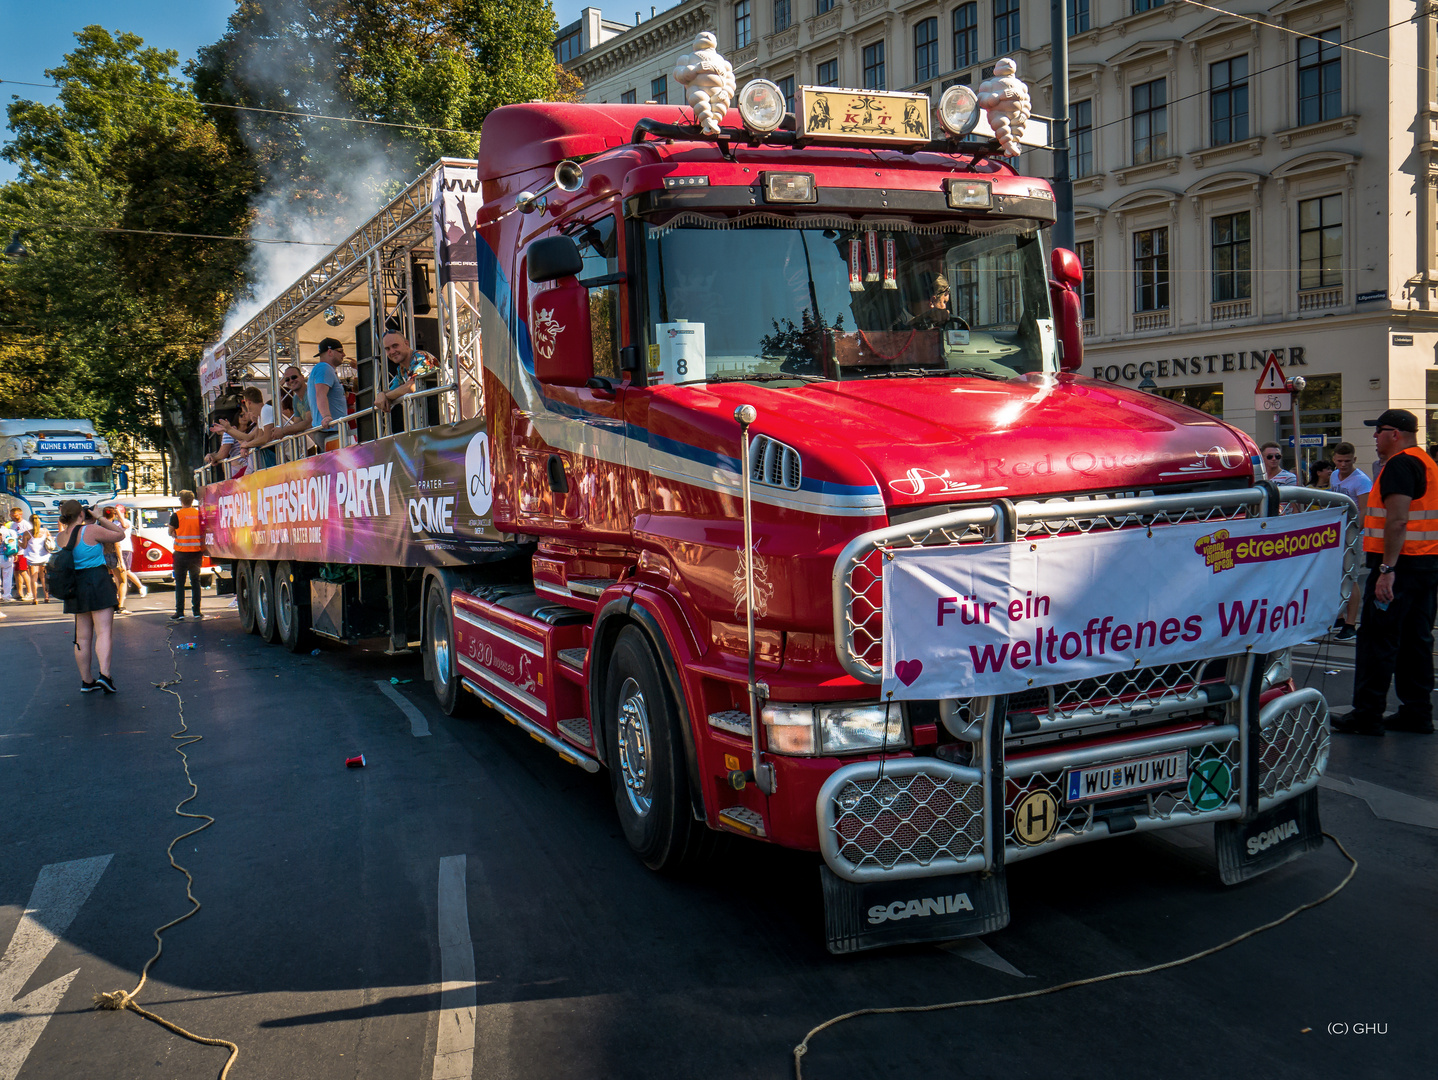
(934, 373)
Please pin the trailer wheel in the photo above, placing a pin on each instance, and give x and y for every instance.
(439, 653)
(262, 582)
(291, 617)
(646, 758)
(245, 596)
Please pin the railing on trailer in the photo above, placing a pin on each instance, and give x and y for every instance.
(924, 816)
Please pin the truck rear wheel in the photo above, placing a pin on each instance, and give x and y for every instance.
(646, 758)
(440, 656)
(263, 584)
(245, 596)
(291, 617)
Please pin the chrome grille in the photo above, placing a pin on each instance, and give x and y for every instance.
(773, 463)
(906, 818)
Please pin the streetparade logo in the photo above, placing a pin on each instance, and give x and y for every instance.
(1221, 551)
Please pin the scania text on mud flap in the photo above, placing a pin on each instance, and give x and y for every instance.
(696, 398)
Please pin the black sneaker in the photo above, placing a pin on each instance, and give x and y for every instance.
(1398, 722)
(105, 683)
(1348, 633)
(89, 687)
(1356, 723)
(198, 615)
(177, 618)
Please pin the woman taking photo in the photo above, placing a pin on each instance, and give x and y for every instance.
(38, 545)
(93, 604)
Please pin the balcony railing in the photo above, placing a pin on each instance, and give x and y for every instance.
(1150, 320)
(1319, 299)
(1090, 328)
(1229, 310)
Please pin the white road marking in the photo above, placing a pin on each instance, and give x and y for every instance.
(1386, 803)
(60, 891)
(458, 999)
(418, 725)
(974, 949)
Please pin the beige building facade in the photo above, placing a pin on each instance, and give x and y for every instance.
(1247, 181)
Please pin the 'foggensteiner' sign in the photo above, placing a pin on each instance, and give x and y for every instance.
(1000, 618)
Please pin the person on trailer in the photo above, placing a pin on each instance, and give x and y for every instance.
(93, 604)
(411, 366)
(189, 554)
(294, 390)
(1400, 599)
(326, 397)
(262, 428)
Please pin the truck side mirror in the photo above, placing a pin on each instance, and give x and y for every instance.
(553, 258)
(1067, 269)
(1068, 322)
(560, 332)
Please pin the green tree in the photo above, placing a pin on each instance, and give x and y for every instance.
(122, 317)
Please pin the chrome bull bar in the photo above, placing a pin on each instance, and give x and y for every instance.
(917, 817)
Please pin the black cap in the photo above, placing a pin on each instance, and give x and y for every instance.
(1401, 419)
(335, 343)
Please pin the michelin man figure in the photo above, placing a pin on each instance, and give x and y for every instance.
(708, 81)
(1005, 101)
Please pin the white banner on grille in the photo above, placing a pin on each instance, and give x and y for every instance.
(1000, 618)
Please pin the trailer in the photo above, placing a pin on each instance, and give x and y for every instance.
(733, 385)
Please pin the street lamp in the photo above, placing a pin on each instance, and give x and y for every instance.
(1148, 386)
(15, 249)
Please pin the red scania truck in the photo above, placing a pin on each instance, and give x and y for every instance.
(694, 390)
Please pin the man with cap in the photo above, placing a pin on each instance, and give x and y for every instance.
(1400, 539)
(325, 395)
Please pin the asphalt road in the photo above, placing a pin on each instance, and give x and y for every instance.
(335, 901)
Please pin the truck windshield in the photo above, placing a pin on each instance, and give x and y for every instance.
(773, 302)
(67, 478)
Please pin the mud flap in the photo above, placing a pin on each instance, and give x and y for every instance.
(875, 914)
(1278, 835)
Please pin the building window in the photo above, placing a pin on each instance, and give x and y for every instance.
(1320, 96)
(926, 49)
(1146, 5)
(1081, 138)
(1150, 121)
(1084, 250)
(1320, 242)
(823, 6)
(659, 90)
(1228, 101)
(1207, 399)
(827, 73)
(743, 23)
(874, 66)
(966, 34)
(1232, 258)
(1006, 27)
(566, 49)
(1078, 17)
(1150, 270)
(783, 14)
(629, 97)
(786, 86)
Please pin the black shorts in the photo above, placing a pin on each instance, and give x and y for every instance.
(94, 591)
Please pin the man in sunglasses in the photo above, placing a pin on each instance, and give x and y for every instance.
(1400, 540)
(1273, 465)
(292, 385)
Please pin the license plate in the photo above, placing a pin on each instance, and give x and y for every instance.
(1126, 777)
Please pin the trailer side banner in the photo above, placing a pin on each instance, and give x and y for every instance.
(419, 499)
(1000, 618)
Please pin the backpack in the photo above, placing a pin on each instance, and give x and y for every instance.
(9, 542)
(60, 573)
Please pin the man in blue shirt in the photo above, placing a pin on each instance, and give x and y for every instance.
(325, 394)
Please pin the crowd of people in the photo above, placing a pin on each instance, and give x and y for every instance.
(25, 549)
(315, 403)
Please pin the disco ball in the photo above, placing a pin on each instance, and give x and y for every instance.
(334, 316)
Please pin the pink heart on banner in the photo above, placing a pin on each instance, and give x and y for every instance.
(908, 670)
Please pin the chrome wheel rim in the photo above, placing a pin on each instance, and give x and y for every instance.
(262, 600)
(634, 747)
(439, 643)
(284, 599)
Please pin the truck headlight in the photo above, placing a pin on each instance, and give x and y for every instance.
(761, 105)
(809, 730)
(959, 110)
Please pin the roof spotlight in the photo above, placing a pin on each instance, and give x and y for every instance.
(959, 110)
(761, 105)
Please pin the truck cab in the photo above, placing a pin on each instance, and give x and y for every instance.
(45, 462)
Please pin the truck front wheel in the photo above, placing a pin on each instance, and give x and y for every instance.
(440, 657)
(646, 759)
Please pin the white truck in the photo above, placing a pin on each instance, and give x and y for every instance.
(45, 462)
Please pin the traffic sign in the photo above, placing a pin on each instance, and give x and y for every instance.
(1311, 440)
(1278, 401)
(1272, 394)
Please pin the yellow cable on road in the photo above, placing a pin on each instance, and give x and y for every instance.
(121, 999)
(803, 1047)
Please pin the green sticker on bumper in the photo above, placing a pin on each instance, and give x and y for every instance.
(1209, 784)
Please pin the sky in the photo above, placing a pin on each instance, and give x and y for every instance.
(35, 36)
